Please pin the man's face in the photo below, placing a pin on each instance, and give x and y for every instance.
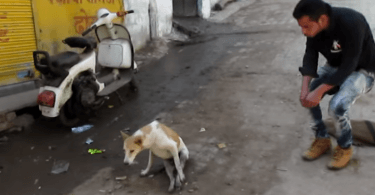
(309, 27)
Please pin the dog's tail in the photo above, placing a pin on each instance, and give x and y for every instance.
(183, 150)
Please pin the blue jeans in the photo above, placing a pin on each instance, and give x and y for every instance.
(353, 86)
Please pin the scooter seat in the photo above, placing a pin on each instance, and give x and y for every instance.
(65, 60)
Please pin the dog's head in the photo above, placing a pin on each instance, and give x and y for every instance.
(133, 145)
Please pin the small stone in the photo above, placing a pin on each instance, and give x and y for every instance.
(118, 186)
(40, 187)
(103, 191)
(36, 181)
(281, 169)
(228, 183)
(191, 191)
(32, 148)
(151, 176)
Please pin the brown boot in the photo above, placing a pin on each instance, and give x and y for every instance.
(317, 148)
(341, 157)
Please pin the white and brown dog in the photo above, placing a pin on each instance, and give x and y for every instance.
(162, 142)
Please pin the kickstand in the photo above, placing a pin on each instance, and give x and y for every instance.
(120, 98)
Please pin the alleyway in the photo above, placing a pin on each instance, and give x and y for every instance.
(242, 86)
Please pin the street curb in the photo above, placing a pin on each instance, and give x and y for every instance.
(229, 10)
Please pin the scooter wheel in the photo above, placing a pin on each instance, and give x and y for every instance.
(68, 119)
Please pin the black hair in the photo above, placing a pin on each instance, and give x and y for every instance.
(312, 8)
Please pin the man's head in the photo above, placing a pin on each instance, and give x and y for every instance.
(312, 16)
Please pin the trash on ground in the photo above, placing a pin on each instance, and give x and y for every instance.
(52, 147)
(121, 178)
(60, 166)
(36, 181)
(95, 151)
(222, 145)
(32, 148)
(89, 141)
(49, 159)
(81, 128)
(202, 130)
(151, 176)
(110, 106)
(4, 139)
(127, 129)
(40, 187)
(103, 191)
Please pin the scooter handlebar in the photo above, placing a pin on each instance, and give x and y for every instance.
(87, 31)
(123, 13)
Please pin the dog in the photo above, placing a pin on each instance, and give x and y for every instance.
(162, 142)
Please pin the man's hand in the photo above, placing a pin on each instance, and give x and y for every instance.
(312, 100)
(303, 97)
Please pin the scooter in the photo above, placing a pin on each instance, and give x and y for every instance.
(75, 84)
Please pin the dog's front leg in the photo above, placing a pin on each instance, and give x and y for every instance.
(176, 159)
(150, 161)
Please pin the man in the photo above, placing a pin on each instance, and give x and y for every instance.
(344, 38)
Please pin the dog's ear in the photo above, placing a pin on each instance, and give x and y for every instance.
(138, 141)
(124, 135)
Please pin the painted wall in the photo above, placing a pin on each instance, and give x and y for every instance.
(151, 19)
(56, 20)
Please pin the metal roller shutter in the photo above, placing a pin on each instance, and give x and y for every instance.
(17, 41)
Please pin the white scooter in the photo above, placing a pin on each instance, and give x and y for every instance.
(76, 84)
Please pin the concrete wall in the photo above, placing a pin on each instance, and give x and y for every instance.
(151, 18)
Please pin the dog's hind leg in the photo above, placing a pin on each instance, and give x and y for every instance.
(183, 158)
(169, 168)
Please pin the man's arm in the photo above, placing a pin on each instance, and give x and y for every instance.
(310, 60)
(310, 63)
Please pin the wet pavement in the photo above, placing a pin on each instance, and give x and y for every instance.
(240, 82)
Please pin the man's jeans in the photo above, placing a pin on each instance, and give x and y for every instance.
(356, 84)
